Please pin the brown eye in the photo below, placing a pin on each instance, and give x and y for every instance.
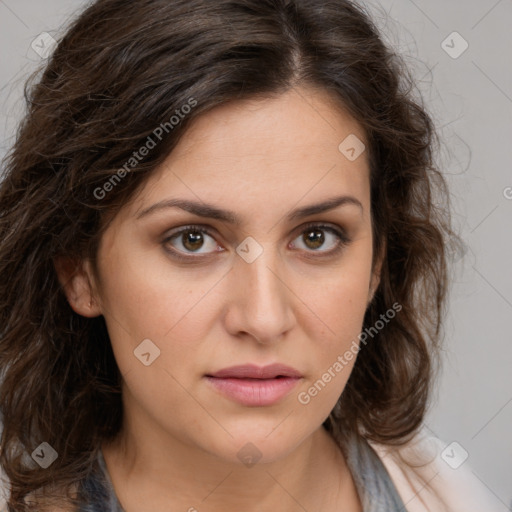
(314, 238)
(190, 240)
(321, 239)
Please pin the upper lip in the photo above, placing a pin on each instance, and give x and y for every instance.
(250, 371)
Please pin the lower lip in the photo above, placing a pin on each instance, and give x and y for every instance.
(254, 392)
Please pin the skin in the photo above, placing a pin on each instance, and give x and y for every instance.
(293, 304)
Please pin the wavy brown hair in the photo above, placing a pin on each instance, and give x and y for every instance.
(121, 69)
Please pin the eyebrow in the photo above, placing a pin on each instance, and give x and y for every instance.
(202, 209)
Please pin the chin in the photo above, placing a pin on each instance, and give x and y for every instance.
(250, 445)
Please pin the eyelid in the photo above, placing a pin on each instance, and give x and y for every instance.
(338, 231)
(189, 227)
(333, 228)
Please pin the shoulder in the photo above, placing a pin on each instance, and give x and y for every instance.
(433, 476)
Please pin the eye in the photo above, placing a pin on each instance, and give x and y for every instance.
(192, 240)
(187, 241)
(321, 238)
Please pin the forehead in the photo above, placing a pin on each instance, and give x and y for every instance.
(291, 125)
(278, 149)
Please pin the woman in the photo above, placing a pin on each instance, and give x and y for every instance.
(225, 267)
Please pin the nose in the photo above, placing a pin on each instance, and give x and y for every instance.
(260, 300)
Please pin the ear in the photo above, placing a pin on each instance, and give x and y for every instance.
(77, 281)
(375, 278)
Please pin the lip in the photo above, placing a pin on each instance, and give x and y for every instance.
(255, 386)
(251, 371)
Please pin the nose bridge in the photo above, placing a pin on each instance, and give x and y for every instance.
(262, 300)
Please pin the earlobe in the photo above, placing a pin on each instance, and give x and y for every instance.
(373, 289)
(374, 284)
(375, 279)
(76, 280)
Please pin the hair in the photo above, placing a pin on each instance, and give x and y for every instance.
(122, 69)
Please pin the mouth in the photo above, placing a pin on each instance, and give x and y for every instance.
(255, 386)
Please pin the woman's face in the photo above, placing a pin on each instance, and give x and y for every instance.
(272, 284)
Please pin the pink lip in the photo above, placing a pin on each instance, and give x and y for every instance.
(255, 386)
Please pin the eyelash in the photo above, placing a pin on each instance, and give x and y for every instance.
(343, 240)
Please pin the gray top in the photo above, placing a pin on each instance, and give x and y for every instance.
(374, 485)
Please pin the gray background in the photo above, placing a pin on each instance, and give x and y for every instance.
(470, 98)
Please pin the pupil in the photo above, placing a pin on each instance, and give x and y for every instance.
(315, 238)
(192, 240)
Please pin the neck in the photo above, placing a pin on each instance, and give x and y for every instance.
(167, 474)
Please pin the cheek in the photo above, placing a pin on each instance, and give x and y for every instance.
(334, 344)
(334, 320)
(144, 298)
(147, 295)
(338, 300)
(335, 333)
